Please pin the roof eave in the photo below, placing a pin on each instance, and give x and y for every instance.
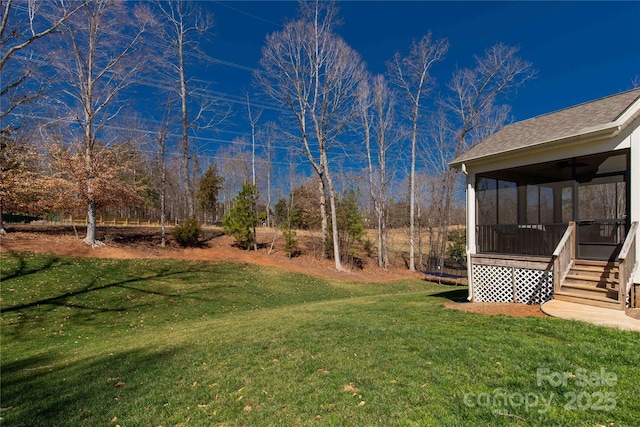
(608, 130)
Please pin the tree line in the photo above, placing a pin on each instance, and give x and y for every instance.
(101, 111)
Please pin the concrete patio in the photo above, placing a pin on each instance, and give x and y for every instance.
(586, 313)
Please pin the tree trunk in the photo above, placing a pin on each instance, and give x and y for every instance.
(334, 226)
(269, 184)
(163, 184)
(419, 239)
(372, 191)
(382, 202)
(379, 225)
(412, 204)
(450, 181)
(334, 214)
(2, 229)
(90, 238)
(186, 158)
(323, 216)
(385, 245)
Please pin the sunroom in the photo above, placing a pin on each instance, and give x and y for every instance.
(553, 206)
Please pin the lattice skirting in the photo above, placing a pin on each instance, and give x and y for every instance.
(493, 283)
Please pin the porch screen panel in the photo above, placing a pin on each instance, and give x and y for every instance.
(507, 202)
(567, 204)
(602, 198)
(533, 201)
(486, 194)
(546, 205)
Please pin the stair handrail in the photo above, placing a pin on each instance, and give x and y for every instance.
(563, 256)
(627, 263)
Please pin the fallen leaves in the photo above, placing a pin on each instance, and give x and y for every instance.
(349, 388)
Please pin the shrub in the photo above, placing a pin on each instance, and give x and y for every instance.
(188, 232)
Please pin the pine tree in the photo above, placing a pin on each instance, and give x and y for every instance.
(210, 185)
(242, 219)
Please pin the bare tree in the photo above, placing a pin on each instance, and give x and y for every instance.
(311, 71)
(21, 25)
(253, 121)
(269, 136)
(102, 57)
(234, 165)
(184, 23)
(475, 112)
(377, 103)
(161, 145)
(412, 74)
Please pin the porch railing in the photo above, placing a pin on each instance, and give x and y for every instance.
(563, 256)
(519, 239)
(627, 264)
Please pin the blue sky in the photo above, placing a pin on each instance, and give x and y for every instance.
(582, 50)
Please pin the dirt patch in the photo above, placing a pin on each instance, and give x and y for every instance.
(491, 308)
(144, 243)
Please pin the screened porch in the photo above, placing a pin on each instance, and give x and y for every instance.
(526, 210)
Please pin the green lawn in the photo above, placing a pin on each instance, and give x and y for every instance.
(162, 342)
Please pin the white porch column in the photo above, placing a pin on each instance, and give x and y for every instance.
(635, 190)
(471, 227)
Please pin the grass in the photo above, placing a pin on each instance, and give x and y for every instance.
(163, 342)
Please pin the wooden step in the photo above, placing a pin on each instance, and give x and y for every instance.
(586, 287)
(593, 300)
(612, 274)
(608, 274)
(588, 291)
(589, 280)
(594, 263)
(598, 274)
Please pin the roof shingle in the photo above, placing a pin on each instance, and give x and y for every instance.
(553, 126)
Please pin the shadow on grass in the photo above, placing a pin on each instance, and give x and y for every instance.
(25, 314)
(458, 295)
(61, 300)
(21, 268)
(42, 391)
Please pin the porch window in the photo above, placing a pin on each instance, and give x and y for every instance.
(539, 204)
